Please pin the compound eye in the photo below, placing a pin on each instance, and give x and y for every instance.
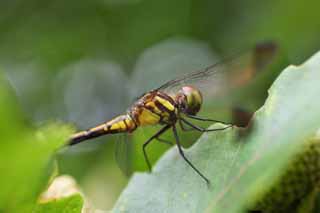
(193, 99)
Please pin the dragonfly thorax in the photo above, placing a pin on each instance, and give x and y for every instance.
(153, 108)
(189, 100)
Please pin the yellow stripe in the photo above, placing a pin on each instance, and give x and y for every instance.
(154, 107)
(147, 117)
(118, 126)
(165, 103)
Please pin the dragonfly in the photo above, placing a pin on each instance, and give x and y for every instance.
(178, 102)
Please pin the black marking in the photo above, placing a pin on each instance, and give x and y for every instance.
(108, 127)
(162, 107)
(112, 131)
(133, 120)
(125, 123)
(166, 97)
(165, 109)
(150, 109)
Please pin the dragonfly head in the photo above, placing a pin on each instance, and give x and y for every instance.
(189, 100)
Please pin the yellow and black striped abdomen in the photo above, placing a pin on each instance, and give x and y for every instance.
(122, 123)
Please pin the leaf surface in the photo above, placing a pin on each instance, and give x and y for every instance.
(241, 170)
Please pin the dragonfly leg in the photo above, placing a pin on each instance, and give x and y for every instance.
(164, 141)
(181, 152)
(184, 128)
(145, 144)
(201, 129)
(207, 119)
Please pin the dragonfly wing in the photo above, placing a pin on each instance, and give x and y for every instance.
(219, 79)
(123, 153)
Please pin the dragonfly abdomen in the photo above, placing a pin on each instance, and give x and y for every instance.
(122, 123)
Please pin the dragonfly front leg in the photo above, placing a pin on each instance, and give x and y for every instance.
(207, 119)
(145, 144)
(201, 129)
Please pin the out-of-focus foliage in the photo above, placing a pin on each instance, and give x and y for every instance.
(84, 62)
(272, 170)
(26, 155)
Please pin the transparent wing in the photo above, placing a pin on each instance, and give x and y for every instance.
(234, 72)
(123, 153)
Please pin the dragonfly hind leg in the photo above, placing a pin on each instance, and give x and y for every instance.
(181, 152)
(145, 144)
(164, 141)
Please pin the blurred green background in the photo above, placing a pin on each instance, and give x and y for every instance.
(83, 62)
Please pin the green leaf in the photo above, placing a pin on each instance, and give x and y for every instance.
(25, 155)
(71, 204)
(63, 195)
(243, 171)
